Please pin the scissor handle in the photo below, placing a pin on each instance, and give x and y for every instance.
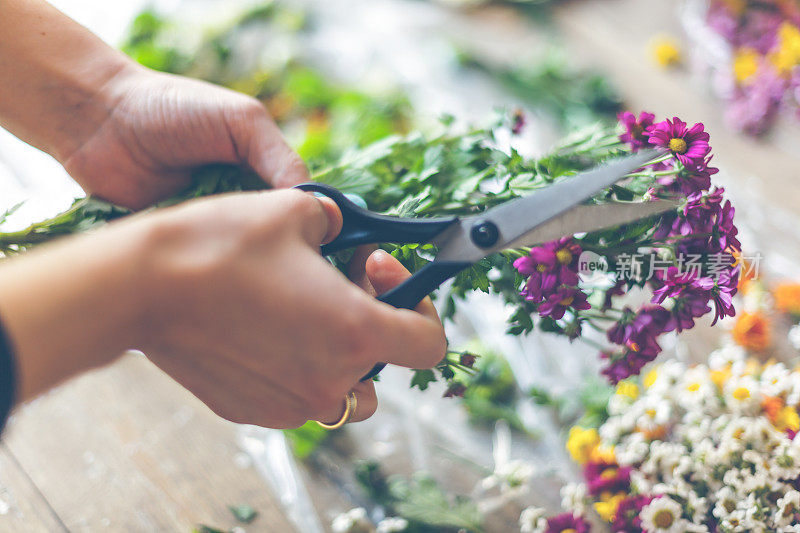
(361, 226)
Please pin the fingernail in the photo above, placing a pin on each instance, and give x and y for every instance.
(379, 256)
(356, 199)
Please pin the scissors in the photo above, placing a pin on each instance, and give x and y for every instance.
(542, 216)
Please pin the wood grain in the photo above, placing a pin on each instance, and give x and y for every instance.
(127, 449)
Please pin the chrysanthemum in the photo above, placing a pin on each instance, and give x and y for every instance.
(635, 128)
(688, 145)
(662, 515)
(567, 522)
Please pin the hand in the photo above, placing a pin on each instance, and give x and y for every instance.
(245, 313)
(161, 127)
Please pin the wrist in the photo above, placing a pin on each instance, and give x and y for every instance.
(70, 306)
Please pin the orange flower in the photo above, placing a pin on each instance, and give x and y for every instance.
(752, 331)
(787, 298)
(772, 406)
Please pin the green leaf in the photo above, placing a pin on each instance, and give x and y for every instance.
(243, 513)
(422, 378)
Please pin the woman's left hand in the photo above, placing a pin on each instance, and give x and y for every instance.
(161, 127)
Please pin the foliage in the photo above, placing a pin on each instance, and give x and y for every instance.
(420, 501)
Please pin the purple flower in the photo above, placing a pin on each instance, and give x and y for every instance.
(519, 122)
(602, 476)
(691, 179)
(621, 366)
(627, 518)
(725, 287)
(752, 108)
(557, 303)
(567, 522)
(688, 145)
(635, 129)
(548, 267)
(699, 213)
(691, 294)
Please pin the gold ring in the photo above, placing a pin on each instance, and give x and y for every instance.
(350, 403)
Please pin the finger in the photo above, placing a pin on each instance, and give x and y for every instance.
(357, 268)
(385, 273)
(335, 219)
(318, 219)
(366, 401)
(413, 339)
(272, 158)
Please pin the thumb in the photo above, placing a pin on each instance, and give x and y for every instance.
(386, 272)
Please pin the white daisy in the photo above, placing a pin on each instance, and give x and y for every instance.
(662, 515)
(353, 521)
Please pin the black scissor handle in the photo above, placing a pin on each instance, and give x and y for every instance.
(361, 226)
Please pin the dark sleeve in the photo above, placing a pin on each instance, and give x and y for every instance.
(8, 377)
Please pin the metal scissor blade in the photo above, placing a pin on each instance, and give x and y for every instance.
(586, 218)
(520, 217)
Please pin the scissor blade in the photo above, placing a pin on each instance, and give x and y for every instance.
(518, 218)
(586, 218)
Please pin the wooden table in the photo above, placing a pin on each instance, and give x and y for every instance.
(126, 449)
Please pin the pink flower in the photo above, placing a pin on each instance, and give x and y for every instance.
(688, 145)
(602, 476)
(635, 129)
(567, 522)
(557, 303)
(627, 517)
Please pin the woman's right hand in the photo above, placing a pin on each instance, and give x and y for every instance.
(230, 297)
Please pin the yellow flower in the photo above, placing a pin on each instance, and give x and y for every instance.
(628, 389)
(608, 505)
(787, 54)
(581, 443)
(650, 378)
(720, 377)
(787, 419)
(745, 64)
(603, 454)
(665, 51)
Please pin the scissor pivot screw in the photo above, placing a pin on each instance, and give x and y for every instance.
(484, 234)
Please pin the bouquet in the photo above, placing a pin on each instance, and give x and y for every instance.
(689, 448)
(763, 75)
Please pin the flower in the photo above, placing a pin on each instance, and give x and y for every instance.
(745, 64)
(353, 521)
(786, 55)
(752, 331)
(635, 128)
(787, 298)
(581, 442)
(532, 520)
(564, 298)
(688, 145)
(519, 122)
(665, 50)
(628, 515)
(606, 476)
(567, 522)
(662, 515)
(392, 524)
(547, 267)
(608, 505)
